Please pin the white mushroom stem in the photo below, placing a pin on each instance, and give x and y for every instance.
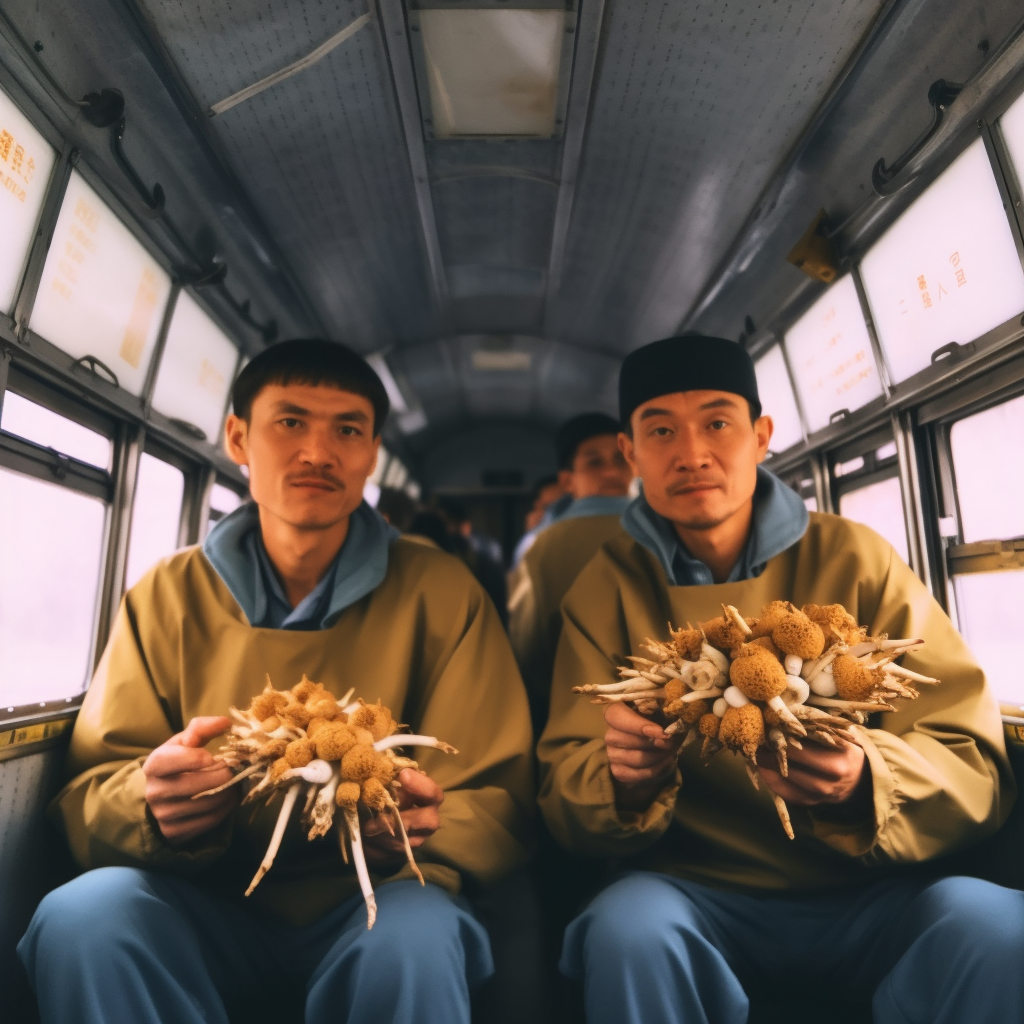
(623, 686)
(824, 683)
(783, 811)
(906, 673)
(755, 779)
(343, 702)
(323, 807)
(797, 690)
(243, 774)
(707, 676)
(290, 796)
(399, 739)
(618, 698)
(701, 695)
(778, 705)
(673, 727)
(870, 646)
(716, 657)
(405, 839)
(720, 707)
(359, 859)
(733, 615)
(850, 705)
(793, 663)
(735, 697)
(810, 669)
(778, 740)
(317, 772)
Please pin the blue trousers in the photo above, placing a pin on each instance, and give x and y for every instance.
(124, 946)
(660, 950)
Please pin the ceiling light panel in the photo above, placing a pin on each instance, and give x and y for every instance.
(493, 73)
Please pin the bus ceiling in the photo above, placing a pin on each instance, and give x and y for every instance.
(505, 201)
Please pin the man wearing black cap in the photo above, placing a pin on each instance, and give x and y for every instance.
(715, 900)
(596, 479)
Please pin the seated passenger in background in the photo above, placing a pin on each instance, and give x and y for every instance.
(596, 477)
(397, 508)
(481, 553)
(549, 500)
(713, 897)
(306, 579)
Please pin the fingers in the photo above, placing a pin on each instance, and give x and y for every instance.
(627, 776)
(624, 719)
(202, 729)
(184, 785)
(184, 830)
(420, 821)
(178, 810)
(650, 758)
(418, 789)
(630, 741)
(173, 759)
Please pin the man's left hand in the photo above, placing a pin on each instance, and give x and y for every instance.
(820, 775)
(419, 798)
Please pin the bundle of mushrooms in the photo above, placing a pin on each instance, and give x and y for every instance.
(341, 754)
(788, 677)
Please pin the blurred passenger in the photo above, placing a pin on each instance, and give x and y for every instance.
(430, 525)
(481, 553)
(710, 895)
(596, 478)
(306, 578)
(397, 507)
(549, 501)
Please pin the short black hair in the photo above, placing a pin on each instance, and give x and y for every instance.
(574, 432)
(310, 361)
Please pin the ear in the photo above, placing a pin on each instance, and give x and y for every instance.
(236, 440)
(763, 430)
(565, 480)
(376, 456)
(628, 450)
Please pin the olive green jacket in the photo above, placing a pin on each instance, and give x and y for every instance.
(426, 642)
(938, 765)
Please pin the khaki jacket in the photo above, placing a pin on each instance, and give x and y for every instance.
(536, 588)
(426, 642)
(939, 768)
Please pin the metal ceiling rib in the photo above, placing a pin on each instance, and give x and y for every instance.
(693, 108)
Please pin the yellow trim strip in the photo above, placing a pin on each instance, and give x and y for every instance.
(30, 734)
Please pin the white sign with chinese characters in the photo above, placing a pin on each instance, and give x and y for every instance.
(831, 357)
(196, 370)
(26, 160)
(777, 401)
(101, 293)
(947, 270)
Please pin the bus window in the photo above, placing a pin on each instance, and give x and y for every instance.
(830, 352)
(25, 165)
(53, 524)
(777, 399)
(989, 468)
(101, 293)
(986, 604)
(42, 426)
(156, 515)
(222, 501)
(880, 506)
(947, 270)
(988, 583)
(196, 369)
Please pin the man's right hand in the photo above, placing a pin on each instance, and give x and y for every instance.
(640, 755)
(182, 767)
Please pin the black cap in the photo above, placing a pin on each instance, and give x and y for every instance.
(574, 432)
(693, 362)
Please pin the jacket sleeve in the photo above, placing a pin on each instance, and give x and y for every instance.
(103, 810)
(940, 774)
(473, 698)
(577, 797)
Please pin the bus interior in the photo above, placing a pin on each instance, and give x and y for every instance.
(493, 201)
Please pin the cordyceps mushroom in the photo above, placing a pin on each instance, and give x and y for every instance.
(344, 755)
(769, 682)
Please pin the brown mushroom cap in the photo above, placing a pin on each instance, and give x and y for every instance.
(758, 674)
(375, 796)
(709, 725)
(797, 634)
(854, 681)
(687, 642)
(771, 615)
(674, 689)
(359, 763)
(323, 707)
(691, 710)
(375, 719)
(278, 768)
(334, 741)
(742, 729)
(763, 642)
(299, 753)
(383, 768)
(303, 690)
(268, 703)
(722, 633)
(347, 794)
(835, 622)
(271, 750)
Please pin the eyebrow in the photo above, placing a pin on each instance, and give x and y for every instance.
(287, 408)
(649, 413)
(720, 403)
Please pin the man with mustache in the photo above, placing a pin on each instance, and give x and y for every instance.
(305, 579)
(711, 899)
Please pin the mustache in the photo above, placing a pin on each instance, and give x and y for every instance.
(319, 477)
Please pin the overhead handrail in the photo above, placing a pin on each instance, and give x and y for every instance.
(152, 203)
(940, 95)
(95, 366)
